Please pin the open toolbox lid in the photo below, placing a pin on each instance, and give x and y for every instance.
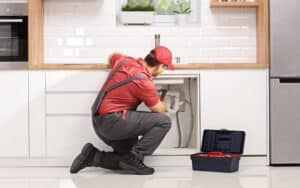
(224, 141)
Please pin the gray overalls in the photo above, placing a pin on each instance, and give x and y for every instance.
(122, 133)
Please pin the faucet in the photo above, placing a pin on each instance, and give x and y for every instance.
(157, 40)
(177, 60)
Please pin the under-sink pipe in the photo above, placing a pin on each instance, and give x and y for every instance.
(179, 130)
(175, 103)
(192, 114)
(192, 120)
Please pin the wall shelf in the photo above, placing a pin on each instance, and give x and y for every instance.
(217, 4)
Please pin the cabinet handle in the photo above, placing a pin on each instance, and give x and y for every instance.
(11, 20)
(289, 80)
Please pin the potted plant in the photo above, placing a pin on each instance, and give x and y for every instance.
(182, 12)
(137, 12)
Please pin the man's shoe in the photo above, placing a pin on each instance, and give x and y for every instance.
(132, 165)
(84, 158)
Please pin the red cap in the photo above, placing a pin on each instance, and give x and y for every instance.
(164, 56)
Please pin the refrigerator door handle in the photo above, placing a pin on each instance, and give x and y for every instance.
(289, 80)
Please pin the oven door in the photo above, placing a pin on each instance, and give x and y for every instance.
(13, 38)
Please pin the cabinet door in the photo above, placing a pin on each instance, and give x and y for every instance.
(70, 103)
(237, 100)
(69, 97)
(67, 134)
(14, 114)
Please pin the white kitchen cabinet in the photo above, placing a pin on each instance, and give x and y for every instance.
(14, 114)
(59, 107)
(67, 134)
(230, 99)
(37, 113)
(75, 81)
(69, 96)
(70, 103)
(237, 99)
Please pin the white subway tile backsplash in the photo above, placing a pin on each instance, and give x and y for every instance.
(243, 42)
(227, 31)
(79, 31)
(72, 41)
(233, 60)
(248, 52)
(231, 52)
(89, 42)
(59, 41)
(199, 60)
(68, 52)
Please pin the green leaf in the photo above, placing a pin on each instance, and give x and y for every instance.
(182, 7)
(138, 5)
(187, 11)
(138, 8)
(161, 5)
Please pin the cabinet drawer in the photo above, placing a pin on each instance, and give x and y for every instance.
(67, 134)
(70, 103)
(57, 81)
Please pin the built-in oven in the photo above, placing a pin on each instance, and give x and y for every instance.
(13, 32)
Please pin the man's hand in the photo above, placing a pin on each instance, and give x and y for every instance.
(161, 105)
(163, 94)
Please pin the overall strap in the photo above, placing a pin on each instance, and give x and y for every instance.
(113, 72)
(102, 93)
(123, 82)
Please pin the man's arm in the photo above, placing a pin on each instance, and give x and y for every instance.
(159, 107)
(147, 93)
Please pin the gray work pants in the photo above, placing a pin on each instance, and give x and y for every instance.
(122, 134)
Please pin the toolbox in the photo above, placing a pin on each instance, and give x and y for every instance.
(220, 151)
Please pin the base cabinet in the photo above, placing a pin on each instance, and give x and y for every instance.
(237, 100)
(14, 133)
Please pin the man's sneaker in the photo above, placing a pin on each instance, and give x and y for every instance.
(132, 165)
(84, 158)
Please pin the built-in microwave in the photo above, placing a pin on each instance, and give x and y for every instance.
(13, 32)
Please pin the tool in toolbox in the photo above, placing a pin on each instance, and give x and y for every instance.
(216, 154)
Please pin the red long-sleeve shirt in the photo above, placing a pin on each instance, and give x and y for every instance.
(133, 93)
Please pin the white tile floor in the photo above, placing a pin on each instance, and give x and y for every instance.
(165, 177)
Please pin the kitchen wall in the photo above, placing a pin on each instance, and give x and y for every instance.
(87, 31)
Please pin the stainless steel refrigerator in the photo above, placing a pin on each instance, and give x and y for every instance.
(285, 82)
